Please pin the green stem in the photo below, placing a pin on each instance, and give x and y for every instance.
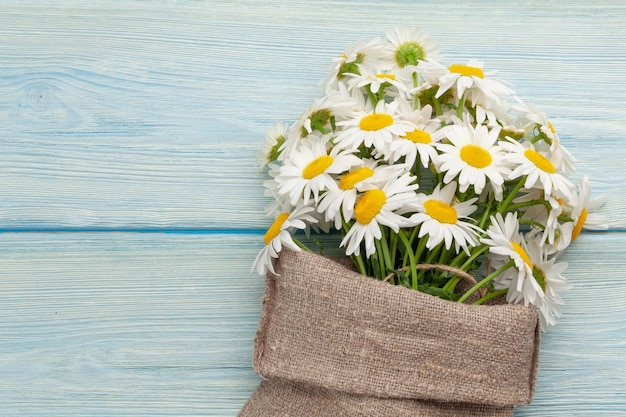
(486, 280)
(409, 251)
(388, 260)
(489, 296)
(438, 108)
(372, 96)
(320, 127)
(300, 244)
(381, 260)
(479, 251)
(536, 202)
(504, 205)
(461, 106)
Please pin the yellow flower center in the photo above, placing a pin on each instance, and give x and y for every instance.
(440, 211)
(551, 127)
(475, 156)
(348, 180)
(540, 161)
(579, 224)
(369, 205)
(275, 228)
(387, 76)
(467, 70)
(418, 136)
(317, 167)
(376, 121)
(517, 248)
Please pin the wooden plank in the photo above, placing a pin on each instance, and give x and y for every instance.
(163, 324)
(150, 115)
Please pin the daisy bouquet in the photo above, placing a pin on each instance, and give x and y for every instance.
(412, 161)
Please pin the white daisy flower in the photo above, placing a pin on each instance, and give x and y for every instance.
(441, 217)
(373, 54)
(507, 243)
(279, 235)
(538, 168)
(468, 79)
(274, 139)
(473, 156)
(410, 46)
(582, 215)
(399, 79)
(543, 216)
(419, 141)
(338, 205)
(307, 171)
(318, 118)
(431, 71)
(562, 158)
(376, 207)
(548, 274)
(377, 127)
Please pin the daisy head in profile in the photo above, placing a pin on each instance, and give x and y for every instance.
(372, 54)
(583, 215)
(543, 133)
(393, 83)
(466, 81)
(279, 235)
(548, 274)
(444, 219)
(275, 137)
(378, 207)
(507, 245)
(473, 157)
(319, 118)
(537, 167)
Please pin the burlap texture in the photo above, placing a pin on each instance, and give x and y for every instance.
(359, 346)
(281, 398)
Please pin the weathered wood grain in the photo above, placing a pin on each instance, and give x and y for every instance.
(148, 116)
(118, 115)
(163, 324)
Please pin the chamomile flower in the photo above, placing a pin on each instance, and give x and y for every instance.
(507, 243)
(308, 171)
(582, 215)
(410, 46)
(548, 274)
(373, 54)
(393, 82)
(543, 211)
(338, 205)
(469, 80)
(473, 156)
(278, 235)
(538, 168)
(376, 207)
(539, 120)
(373, 127)
(319, 118)
(441, 218)
(274, 139)
(419, 141)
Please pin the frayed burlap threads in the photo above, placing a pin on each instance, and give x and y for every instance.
(332, 342)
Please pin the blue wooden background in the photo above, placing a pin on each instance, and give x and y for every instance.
(131, 207)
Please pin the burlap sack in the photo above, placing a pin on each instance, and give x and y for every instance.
(332, 342)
